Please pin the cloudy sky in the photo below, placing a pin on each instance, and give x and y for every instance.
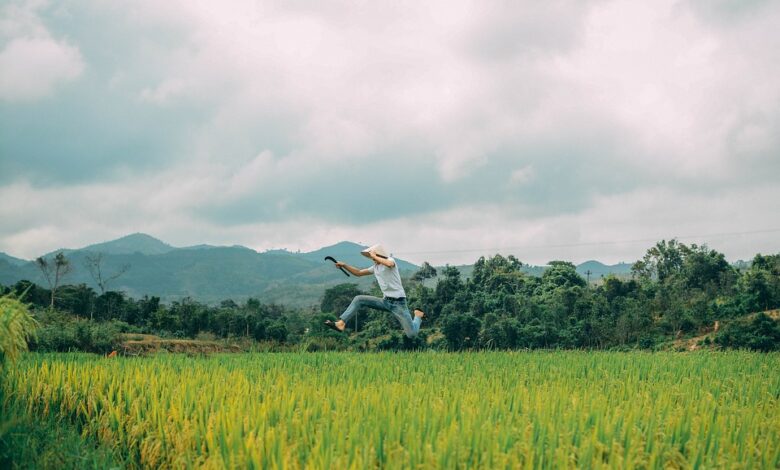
(446, 130)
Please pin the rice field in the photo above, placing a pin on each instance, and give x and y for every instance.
(417, 410)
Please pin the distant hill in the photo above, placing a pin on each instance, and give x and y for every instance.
(596, 268)
(129, 244)
(207, 273)
(11, 260)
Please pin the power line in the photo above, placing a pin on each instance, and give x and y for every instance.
(574, 245)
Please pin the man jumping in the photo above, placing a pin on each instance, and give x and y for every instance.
(394, 301)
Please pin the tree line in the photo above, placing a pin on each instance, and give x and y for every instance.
(674, 291)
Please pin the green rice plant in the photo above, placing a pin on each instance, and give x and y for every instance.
(418, 410)
(16, 328)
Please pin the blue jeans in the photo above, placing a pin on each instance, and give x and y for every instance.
(397, 307)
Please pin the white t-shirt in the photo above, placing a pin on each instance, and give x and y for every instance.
(389, 279)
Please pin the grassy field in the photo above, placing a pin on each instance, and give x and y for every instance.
(416, 410)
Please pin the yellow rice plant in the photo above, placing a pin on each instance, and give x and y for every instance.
(508, 410)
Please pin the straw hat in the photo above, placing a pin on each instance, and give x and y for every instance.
(377, 249)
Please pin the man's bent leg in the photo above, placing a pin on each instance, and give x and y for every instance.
(362, 301)
(401, 312)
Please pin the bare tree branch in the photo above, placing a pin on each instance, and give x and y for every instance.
(54, 273)
(122, 269)
(45, 268)
(94, 263)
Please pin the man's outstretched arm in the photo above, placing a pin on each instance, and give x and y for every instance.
(353, 270)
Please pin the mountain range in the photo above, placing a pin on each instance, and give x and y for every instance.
(205, 272)
(214, 273)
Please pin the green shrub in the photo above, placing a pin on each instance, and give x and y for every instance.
(499, 333)
(60, 332)
(206, 336)
(461, 330)
(277, 331)
(760, 334)
(647, 342)
(314, 344)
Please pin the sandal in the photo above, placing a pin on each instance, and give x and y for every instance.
(332, 325)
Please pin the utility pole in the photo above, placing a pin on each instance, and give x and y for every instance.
(588, 273)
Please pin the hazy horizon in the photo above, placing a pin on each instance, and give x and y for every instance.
(416, 257)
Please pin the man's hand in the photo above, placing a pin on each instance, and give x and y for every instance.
(339, 264)
(380, 260)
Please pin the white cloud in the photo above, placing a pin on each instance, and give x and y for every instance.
(678, 85)
(33, 63)
(164, 92)
(32, 67)
(522, 175)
